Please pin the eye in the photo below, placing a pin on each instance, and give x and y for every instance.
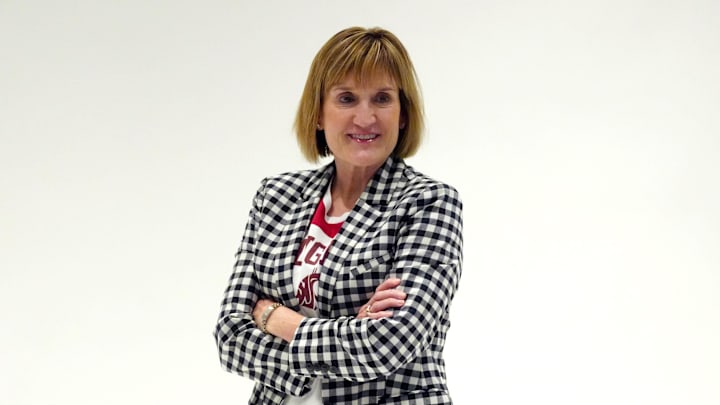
(346, 98)
(383, 98)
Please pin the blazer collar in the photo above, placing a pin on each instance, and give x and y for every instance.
(388, 179)
(379, 190)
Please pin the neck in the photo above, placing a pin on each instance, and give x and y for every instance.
(348, 185)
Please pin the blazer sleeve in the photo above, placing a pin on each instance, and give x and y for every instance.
(428, 260)
(244, 349)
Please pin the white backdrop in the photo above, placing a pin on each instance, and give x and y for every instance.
(583, 136)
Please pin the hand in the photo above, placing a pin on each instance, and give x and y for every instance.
(385, 297)
(260, 307)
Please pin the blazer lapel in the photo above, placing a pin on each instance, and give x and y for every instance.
(293, 229)
(363, 218)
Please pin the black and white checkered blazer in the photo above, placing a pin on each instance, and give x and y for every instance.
(405, 225)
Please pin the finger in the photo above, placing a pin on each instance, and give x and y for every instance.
(381, 295)
(365, 311)
(388, 284)
(379, 309)
(381, 315)
(388, 303)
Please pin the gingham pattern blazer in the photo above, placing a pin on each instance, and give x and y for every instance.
(404, 225)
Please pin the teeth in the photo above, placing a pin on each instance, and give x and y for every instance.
(364, 137)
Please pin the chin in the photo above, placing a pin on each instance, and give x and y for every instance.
(372, 160)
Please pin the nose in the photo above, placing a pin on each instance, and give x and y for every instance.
(364, 115)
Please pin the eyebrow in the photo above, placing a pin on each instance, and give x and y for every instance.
(348, 88)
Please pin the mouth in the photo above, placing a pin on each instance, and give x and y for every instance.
(363, 137)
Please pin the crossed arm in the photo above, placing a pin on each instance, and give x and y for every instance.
(283, 321)
(426, 266)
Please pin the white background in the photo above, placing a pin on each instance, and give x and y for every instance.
(583, 136)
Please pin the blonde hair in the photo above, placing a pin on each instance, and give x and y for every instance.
(363, 52)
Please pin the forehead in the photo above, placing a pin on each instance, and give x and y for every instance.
(378, 79)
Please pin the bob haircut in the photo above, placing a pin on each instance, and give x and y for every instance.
(363, 52)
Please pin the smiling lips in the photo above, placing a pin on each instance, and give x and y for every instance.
(363, 137)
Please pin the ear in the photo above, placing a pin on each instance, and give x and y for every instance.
(402, 121)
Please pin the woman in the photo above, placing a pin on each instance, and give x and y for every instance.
(343, 281)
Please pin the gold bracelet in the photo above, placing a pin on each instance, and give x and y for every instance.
(266, 314)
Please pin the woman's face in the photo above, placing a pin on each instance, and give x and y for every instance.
(362, 121)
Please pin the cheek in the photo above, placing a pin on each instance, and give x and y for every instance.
(334, 119)
(394, 118)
